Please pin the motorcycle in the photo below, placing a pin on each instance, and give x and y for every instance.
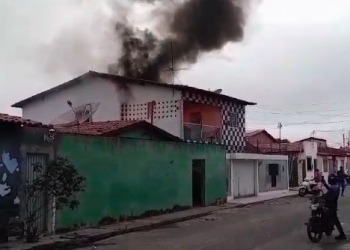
(320, 222)
(307, 188)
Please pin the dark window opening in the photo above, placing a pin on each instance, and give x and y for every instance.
(309, 163)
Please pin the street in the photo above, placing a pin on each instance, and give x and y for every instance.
(276, 224)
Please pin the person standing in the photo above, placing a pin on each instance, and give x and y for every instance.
(318, 178)
(341, 179)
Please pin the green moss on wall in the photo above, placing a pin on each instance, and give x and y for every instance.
(130, 177)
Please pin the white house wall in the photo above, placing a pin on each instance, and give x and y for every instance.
(110, 96)
(310, 150)
(90, 90)
(167, 110)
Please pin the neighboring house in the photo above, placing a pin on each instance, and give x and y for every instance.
(306, 155)
(260, 136)
(184, 111)
(252, 174)
(22, 145)
(134, 168)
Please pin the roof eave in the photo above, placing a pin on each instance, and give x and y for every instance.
(59, 87)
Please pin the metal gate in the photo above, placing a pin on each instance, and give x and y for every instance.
(38, 202)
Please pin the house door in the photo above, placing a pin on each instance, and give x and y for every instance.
(244, 178)
(303, 170)
(198, 182)
(273, 174)
(37, 203)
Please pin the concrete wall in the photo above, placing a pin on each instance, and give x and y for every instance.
(127, 177)
(110, 96)
(265, 178)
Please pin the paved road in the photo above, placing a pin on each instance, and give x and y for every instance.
(273, 225)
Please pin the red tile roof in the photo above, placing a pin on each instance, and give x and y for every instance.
(96, 128)
(331, 151)
(250, 133)
(280, 147)
(298, 147)
(5, 118)
(111, 128)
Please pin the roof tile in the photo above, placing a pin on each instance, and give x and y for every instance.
(6, 118)
(96, 128)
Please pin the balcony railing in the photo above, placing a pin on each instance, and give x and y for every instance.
(197, 132)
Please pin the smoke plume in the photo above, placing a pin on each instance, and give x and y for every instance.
(193, 28)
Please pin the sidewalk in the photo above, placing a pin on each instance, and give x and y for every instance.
(87, 236)
(262, 197)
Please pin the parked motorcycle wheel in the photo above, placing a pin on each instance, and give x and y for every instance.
(302, 191)
(314, 237)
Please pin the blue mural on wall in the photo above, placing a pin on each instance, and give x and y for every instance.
(10, 180)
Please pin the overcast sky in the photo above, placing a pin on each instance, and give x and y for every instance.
(294, 61)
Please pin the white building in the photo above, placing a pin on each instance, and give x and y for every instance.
(184, 111)
(307, 155)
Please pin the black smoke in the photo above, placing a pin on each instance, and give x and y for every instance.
(195, 27)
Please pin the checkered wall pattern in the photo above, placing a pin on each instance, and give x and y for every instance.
(231, 137)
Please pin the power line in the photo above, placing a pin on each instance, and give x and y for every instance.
(309, 104)
(295, 112)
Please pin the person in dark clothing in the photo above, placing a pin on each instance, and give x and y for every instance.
(341, 180)
(331, 198)
(333, 175)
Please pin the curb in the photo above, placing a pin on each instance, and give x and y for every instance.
(260, 202)
(83, 242)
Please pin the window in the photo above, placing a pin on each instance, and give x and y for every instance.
(325, 166)
(233, 120)
(342, 163)
(309, 163)
(273, 169)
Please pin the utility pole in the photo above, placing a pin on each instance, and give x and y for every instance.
(344, 141)
(279, 126)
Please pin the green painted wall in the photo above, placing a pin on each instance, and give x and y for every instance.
(129, 176)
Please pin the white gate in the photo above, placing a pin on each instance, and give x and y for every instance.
(244, 178)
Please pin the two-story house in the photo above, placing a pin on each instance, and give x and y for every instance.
(186, 112)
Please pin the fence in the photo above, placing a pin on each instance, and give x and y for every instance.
(199, 132)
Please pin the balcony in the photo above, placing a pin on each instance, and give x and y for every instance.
(198, 132)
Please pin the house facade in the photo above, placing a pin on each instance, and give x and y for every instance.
(138, 158)
(187, 112)
(255, 174)
(307, 155)
(22, 146)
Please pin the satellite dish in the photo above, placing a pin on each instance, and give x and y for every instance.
(218, 91)
(77, 115)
